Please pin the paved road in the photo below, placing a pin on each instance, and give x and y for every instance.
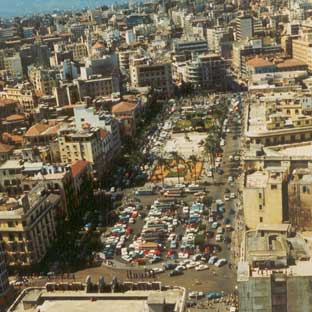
(215, 279)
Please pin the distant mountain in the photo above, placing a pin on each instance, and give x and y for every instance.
(9, 8)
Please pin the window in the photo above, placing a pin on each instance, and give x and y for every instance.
(273, 187)
(261, 219)
(260, 207)
(10, 224)
(260, 195)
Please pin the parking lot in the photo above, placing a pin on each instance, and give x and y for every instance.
(181, 234)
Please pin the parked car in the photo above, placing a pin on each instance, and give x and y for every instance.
(175, 273)
(213, 295)
(201, 267)
(220, 262)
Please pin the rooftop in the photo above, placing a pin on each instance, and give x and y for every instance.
(123, 107)
(78, 166)
(79, 300)
(258, 62)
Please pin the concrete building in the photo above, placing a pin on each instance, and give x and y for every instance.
(188, 47)
(100, 119)
(145, 73)
(98, 86)
(105, 66)
(13, 66)
(244, 27)
(130, 37)
(265, 197)
(27, 225)
(136, 297)
(79, 49)
(245, 49)
(275, 271)
(258, 65)
(300, 199)
(278, 118)
(23, 94)
(302, 49)
(44, 80)
(127, 114)
(206, 71)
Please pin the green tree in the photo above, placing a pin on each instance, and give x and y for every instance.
(177, 159)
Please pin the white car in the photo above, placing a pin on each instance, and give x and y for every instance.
(220, 262)
(209, 174)
(158, 270)
(232, 195)
(131, 220)
(220, 230)
(226, 197)
(231, 157)
(191, 265)
(230, 179)
(202, 267)
(219, 238)
(236, 158)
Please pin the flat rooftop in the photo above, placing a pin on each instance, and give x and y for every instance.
(74, 301)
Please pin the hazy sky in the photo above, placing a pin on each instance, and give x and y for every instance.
(10, 8)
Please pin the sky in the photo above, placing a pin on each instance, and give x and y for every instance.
(9, 8)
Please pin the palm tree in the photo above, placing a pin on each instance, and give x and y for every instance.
(163, 162)
(177, 159)
(212, 146)
(193, 161)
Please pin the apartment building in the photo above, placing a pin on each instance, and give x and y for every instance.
(206, 71)
(302, 49)
(27, 225)
(42, 133)
(89, 116)
(79, 49)
(278, 118)
(98, 86)
(24, 95)
(90, 144)
(274, 273)
(127, 114)
(265, 197)
(188, 47)
(143, 73)
(13, 66)
(245, 49)
(300, 198)
(44, 80)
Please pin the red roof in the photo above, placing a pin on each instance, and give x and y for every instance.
(78, 166)
(4, 102)
(15, 117)
(5, 148)
(258, 62)
(124, 107)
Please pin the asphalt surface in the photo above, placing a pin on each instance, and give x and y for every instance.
(215, 279)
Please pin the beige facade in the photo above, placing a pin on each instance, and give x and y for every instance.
(300, 200)
(158, 76)
(264, 197)
(43, 80)
(24, 95)
(27, 225)
(80, 50)
(302, 51)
